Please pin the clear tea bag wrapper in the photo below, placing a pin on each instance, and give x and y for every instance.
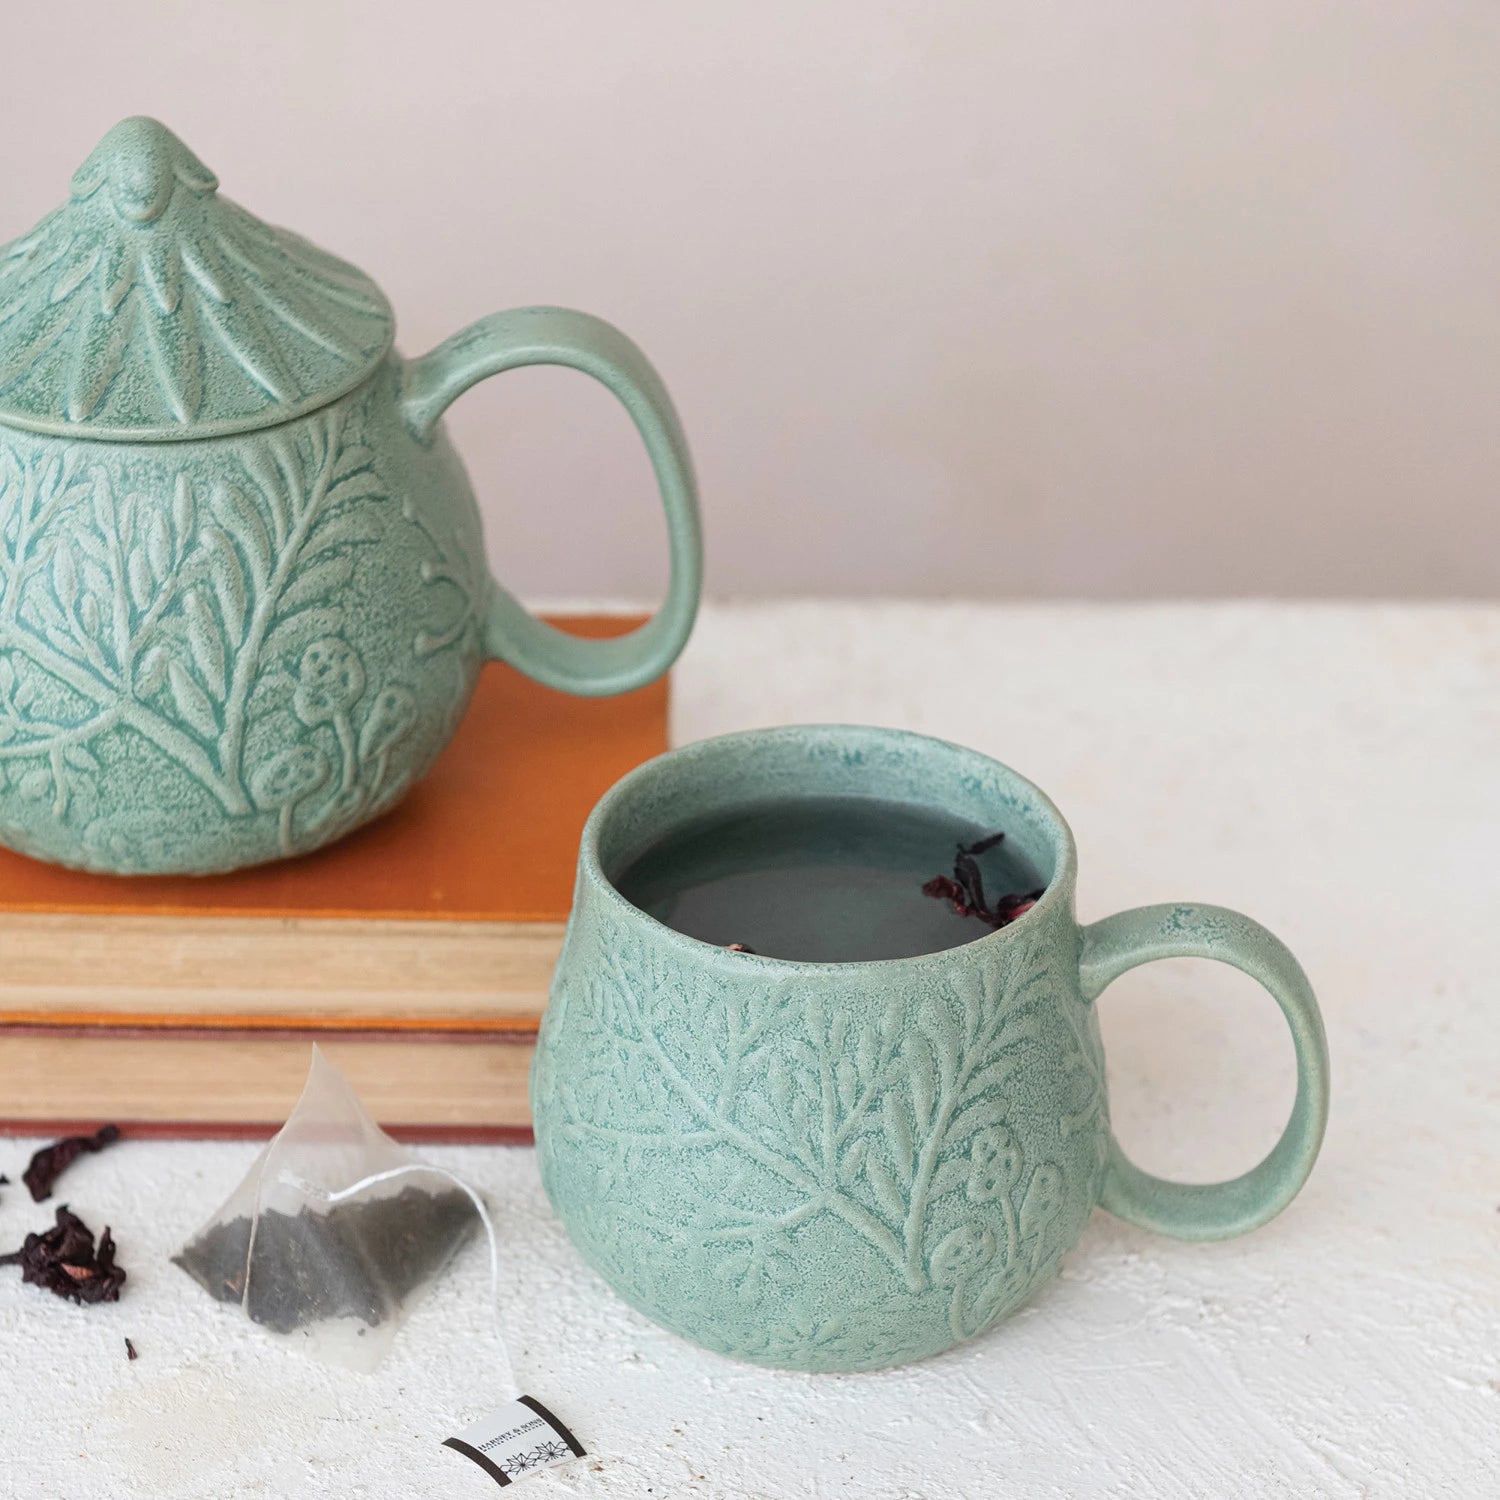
(335, 1231)
(331, 1238)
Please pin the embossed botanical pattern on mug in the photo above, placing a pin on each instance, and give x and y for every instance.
(755, 1129)
(846, 1165)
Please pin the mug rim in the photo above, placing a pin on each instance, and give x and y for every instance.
(1058, 893)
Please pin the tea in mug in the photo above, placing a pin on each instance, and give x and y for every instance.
(823, 879)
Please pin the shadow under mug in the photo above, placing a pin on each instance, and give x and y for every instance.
(844, 1166)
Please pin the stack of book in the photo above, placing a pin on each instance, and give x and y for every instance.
(416, 953)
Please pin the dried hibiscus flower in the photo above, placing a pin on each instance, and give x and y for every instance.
(65, 1260)
(965, 887)
(52, 1161)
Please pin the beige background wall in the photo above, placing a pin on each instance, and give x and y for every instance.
(967, 296)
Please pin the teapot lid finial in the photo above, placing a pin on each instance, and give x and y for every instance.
(149, 307)
(143, 162)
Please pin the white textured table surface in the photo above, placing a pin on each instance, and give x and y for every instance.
(1333, 771)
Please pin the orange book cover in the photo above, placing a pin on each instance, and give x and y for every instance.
(491, 834)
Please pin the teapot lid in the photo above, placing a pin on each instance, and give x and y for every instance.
(148, 307)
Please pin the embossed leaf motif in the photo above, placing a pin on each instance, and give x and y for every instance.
(888, 1195)
(228, 579)
(350, 529)
(138, 575)
(853, 1162)
(242, 520)
(950, 1175)
(151, 672)
(205, 641)
(297, 631)
(923, 1080)
(873, 1123)
(317, 582)
(184, 508)
(65, 578)
(192, 702)
(167, 610)
(898, 1135)
(158, 545)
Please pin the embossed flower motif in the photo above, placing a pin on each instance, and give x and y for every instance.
(960, 1253)
(1043, 1198)
(330, 681)
(285, 780)
(995, 1162)
(289, 776)
(392, 716)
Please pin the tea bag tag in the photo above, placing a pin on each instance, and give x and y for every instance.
(515, 1440)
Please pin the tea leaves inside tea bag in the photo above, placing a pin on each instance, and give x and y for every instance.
(360, 1259)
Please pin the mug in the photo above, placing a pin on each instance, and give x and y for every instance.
(845, 1166)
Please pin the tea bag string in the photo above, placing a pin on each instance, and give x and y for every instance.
(324, 1195)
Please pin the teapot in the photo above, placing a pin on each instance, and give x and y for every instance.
(243, 593)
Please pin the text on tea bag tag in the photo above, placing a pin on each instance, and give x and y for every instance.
(515, 1440)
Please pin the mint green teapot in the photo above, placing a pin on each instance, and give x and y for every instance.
(243, 592)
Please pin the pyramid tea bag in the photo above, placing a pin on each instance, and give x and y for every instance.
(333, 1235)
(335, 1231)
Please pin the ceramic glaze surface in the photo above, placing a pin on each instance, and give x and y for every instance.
(847, 1166)
(243, 590)
(150, 306)
(269, 638)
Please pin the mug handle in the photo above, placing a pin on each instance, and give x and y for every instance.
(1215, 1211)
(559, 336)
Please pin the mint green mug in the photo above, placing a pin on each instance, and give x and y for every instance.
(846, 1166)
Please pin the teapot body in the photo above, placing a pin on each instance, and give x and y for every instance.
(220, 652)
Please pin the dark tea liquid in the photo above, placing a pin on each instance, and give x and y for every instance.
(820, 879)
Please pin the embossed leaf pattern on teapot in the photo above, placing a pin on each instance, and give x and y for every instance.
(243, 594)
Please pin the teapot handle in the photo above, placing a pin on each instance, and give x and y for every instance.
(559, 336)
(1215, 1211)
